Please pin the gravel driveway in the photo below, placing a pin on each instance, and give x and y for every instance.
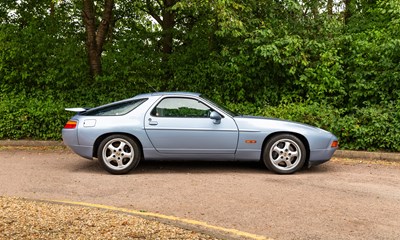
(24, 219)
(343, 199)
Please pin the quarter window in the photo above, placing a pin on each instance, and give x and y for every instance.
(181, 107)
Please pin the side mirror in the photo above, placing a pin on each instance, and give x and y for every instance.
(216, 117)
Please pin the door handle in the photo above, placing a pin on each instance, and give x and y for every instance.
(151, 122)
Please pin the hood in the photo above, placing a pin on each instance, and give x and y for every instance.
(252, 123)
(275, 120)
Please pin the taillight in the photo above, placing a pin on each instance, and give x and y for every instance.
(335, 144)
(71, 124)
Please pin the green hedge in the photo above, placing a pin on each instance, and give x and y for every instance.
(31, 118)
(370, 128)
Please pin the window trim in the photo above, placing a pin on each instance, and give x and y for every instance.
(181, 97)
(98, 109)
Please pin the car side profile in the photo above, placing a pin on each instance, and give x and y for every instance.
(187, 126)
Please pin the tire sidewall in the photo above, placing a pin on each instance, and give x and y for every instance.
(136, 150)
(268, 162)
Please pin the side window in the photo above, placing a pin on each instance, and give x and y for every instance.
(114, 109)
(181, 107)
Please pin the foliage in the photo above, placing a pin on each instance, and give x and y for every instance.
(372, 45)
(31, 118)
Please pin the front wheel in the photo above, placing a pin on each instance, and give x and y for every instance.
(284, 154)
(119, 154)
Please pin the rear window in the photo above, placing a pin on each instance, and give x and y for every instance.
(115, 109)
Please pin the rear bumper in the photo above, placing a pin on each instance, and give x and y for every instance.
(70, 139)
(83, 151)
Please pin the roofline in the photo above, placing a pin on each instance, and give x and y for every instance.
(177, 93)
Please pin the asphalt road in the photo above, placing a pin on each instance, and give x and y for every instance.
(342, 199)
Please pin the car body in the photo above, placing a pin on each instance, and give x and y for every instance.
(187, 126)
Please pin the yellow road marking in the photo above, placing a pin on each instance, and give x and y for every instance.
(161, 216)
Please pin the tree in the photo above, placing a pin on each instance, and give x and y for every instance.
(329, 6)
(96, 32)
(164, 14)
(347, 11)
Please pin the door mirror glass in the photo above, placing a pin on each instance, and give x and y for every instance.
(216, 117)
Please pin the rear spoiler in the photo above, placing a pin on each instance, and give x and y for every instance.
(78, 110)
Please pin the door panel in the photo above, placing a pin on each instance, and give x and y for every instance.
(182, 126)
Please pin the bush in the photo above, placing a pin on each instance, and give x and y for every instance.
(371, 128)
(31, 118)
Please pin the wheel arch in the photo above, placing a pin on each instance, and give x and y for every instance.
(298, 135)
(102, 137)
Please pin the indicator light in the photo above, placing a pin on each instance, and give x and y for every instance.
(335, 144)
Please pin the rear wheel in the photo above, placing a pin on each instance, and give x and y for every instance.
(284, 154)
(119, 154)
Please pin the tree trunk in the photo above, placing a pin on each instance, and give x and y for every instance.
(166, 19)
(168, 25)
(96, 36)
(52, 9)
(330, 8)
(347, 11)
(315, 9)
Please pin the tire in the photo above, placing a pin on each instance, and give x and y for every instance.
(119, 154)
(284, 154)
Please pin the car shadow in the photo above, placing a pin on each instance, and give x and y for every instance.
(86, 166)
(184, 167)
(198, 167)
(194, 167)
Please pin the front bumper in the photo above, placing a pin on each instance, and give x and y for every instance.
(320, 156)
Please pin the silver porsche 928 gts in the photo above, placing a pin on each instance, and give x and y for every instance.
(187, 126)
